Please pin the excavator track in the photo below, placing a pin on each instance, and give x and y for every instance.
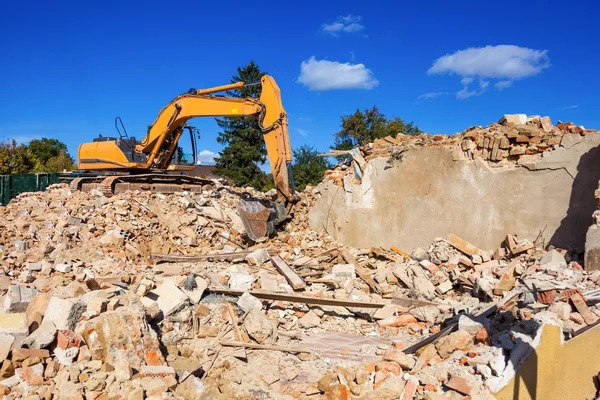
(156, 183)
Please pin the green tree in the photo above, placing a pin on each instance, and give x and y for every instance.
(15, 158)
(308, 167)
(62, 162)
(44, 149)
(243, 140)
(366, 126)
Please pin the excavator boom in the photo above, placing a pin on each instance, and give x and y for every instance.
(155, 151)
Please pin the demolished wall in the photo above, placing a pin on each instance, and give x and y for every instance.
(429, 192)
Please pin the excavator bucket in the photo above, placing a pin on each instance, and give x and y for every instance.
(255, 218)
(259, 221)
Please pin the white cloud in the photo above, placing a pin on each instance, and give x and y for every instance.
(431, 95)
(327, 75)
(302, 132)
(500, 85)
(504, 61)
(569, 107)
(348, 24)
(465, 93)
(206, 157)
(507, 63)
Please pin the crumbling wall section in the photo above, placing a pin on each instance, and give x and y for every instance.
(433, 191)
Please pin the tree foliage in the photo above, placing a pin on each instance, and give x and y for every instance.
(43, 155)
(366, 126)
(14, 158)
(243, 140)
(308, 166)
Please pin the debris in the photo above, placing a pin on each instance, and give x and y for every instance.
(259, 327)
(300, 299)
(168, 297)
(579, 303)
(258, 257)
(293, 278)
(248, 302)
(309, 320)
(13, 324)
(18, 298)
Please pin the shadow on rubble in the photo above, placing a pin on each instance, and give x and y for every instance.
(572, 230)
(504, 330)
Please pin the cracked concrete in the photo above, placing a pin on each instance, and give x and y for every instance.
(435, 191)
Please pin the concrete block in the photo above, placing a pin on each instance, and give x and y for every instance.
(168, 297)
(248, 302)
(34, 266)
(553, 261)
(18, 298)
(14, 324)
(189, 241)
(59, 311)
(258, 257)
(64, 268)
(196, 294)
(240, 281)
(6, 343)
(21, 246)
(341, 272)
(42, 337)
(514, 119)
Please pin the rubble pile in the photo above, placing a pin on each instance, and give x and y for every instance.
(163, 296)
(515, 140)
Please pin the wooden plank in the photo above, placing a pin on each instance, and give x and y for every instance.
(411, 303)
(293, 278)
(234, 321)
(294, 298)
(360, 271)
(204, 257)
(265, 347)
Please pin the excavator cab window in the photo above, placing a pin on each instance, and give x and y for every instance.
(185, 152)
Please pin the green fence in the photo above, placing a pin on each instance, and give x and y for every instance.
(12, 185)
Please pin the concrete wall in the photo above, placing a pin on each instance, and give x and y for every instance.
(557, 370)
(434, 191)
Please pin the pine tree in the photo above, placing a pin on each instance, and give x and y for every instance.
(243, 140)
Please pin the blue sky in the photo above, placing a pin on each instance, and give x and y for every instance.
(68, 68)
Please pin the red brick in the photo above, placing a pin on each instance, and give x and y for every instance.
(410, 389)
(459, 384)
(400, 320)
(390, 367)
(67, 339)
(429, 266)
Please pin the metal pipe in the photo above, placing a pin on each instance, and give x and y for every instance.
(223, 88)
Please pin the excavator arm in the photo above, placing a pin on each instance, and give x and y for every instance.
(155, 151)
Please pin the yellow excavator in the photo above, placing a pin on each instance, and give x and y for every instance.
(118, 164)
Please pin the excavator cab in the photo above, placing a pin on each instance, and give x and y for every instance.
(184, 156)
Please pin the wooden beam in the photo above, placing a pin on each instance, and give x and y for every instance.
(363, 273)
(293, 278)
(294, 298)
(204, 257)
